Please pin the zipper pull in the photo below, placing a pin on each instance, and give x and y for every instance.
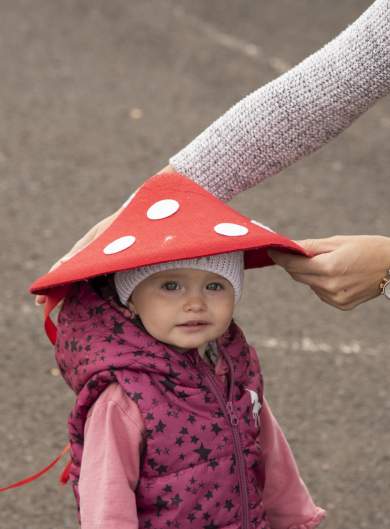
(232, 414)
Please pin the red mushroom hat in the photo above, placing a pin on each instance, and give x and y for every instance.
(168, 218)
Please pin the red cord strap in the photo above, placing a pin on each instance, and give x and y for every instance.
(53, 297)
(64, 475)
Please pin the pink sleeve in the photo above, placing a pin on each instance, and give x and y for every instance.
(110, 464)
(286, 498)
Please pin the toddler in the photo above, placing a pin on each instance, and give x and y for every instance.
(170, 427)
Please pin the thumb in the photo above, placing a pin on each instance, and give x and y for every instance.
(316, 246)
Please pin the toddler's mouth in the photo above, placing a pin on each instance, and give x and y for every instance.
(193, 323)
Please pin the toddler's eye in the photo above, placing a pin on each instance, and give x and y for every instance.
(215, 286)
(171, 285)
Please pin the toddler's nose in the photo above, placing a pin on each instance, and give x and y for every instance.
(195, 304)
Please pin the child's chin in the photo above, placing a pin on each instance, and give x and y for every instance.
(185, 346)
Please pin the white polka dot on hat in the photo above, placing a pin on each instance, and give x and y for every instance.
(228, 265)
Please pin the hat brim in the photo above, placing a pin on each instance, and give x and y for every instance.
(187, 233)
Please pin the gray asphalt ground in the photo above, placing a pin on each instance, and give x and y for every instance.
(94, 97)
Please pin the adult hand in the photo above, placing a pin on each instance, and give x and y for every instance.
(344, 270)
(90, 236)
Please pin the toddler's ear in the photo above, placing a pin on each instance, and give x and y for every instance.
(131, 309)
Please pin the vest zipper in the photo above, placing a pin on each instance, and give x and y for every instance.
(231, 417)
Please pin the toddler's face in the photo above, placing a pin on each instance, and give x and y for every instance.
(185, 308)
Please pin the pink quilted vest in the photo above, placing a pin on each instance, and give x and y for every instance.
(201, 465)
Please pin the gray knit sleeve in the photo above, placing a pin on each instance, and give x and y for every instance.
(296, 113)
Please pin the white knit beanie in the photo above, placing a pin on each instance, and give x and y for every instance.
(228, 265)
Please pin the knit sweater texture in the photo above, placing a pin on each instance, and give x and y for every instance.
(296, 113)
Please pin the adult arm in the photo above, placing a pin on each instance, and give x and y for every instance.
(296, 113)
(290, 117)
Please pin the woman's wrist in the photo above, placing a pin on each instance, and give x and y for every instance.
(386, 263)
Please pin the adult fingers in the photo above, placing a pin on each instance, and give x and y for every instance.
(346, 298)
(318, 246)
(40, 300)
(297, 264)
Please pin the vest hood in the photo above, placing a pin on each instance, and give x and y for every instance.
(95, 335)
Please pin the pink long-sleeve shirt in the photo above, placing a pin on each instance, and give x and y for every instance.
(111, 460)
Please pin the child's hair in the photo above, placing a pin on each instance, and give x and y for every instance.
(228, 265)
(104, 286)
